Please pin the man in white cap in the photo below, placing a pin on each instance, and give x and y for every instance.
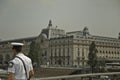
(20, 68)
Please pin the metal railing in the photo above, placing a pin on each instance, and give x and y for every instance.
(3, 76)
(74, 77)
(80, 76)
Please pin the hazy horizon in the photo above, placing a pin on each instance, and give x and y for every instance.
(26, 18)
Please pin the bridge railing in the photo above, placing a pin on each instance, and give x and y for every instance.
(77, 77)
(3, 76)
(80, 76)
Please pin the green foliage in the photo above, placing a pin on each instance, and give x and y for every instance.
(35, 53)
(7, 57)
(31, 51)
(1, 58)
(92, 56)
(101, 65)
(38, 54)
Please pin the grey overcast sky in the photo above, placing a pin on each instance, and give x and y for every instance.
(26, 18)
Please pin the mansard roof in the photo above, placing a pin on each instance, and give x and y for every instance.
(105, 38)
(74, 32)
(63, 37)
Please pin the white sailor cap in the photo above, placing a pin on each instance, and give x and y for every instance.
(17, 44)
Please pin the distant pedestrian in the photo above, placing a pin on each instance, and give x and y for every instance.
(20, 68)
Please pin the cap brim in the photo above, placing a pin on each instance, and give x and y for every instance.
(16, 44)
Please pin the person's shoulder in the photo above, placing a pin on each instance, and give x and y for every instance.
(11, 63)
(27, 57)
(13, 60)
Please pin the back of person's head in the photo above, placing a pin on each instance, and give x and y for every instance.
(17, 46)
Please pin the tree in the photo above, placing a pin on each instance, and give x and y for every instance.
(1, 59)
(38, 51)
(7, 57)
(35, 53)
(32, 51)
(101, 65)
(92, 57)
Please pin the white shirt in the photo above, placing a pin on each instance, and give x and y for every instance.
(16, 66)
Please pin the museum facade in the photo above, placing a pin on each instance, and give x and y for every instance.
(66, 48)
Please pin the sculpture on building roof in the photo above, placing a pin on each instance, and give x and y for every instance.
(85, 31)
(50, 23)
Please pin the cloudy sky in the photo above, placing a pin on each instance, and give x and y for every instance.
(26, 18)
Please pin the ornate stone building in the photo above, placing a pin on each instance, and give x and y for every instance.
(67, 49)
(73, 49)
(43, 39)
